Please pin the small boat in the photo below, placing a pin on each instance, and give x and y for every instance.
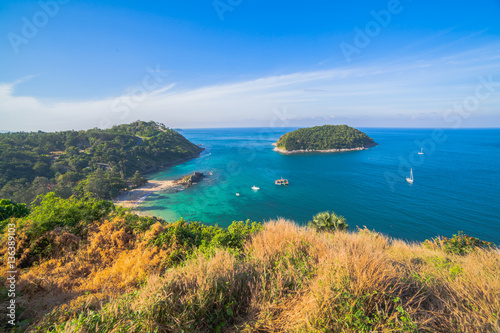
(237, 194)
(255, 188)
(421, 151)
(410, 179)
(281, 181)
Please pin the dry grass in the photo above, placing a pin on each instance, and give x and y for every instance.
(287, 279)
(110, 263)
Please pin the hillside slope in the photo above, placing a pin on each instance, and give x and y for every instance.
(102, 269)
(96, 162)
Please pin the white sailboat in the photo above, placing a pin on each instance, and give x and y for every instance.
(255, 188)
(421, 151)
(410, 179)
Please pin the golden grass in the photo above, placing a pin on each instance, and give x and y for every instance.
(287, 279)
(110, 263)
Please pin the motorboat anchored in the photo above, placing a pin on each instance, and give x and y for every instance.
(281, 181)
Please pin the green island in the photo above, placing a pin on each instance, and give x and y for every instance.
(326, 138)
(100, 163)
(85, 264)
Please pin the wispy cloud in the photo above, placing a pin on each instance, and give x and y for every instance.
(417, 88)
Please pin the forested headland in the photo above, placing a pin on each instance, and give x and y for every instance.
(326, 137)
(98, 163)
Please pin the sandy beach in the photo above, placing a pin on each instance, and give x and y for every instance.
(133, 198)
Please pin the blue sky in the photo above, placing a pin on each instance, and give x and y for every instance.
(72, 64)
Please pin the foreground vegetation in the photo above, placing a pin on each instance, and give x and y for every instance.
(89, 266)
(100, 163)
(324, 138)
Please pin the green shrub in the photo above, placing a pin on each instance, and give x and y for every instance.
(458, 244)
(135, 222)
(326, 221)
(187, 239)
(53, 217)
(10, 209)
(50, 211)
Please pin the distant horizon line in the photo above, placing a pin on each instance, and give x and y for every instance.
(261, 127)
(381, 127)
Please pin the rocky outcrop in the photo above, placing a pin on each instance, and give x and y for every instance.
(191, 179)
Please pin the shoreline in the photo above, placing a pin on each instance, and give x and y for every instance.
(133, 198)
(304, 151)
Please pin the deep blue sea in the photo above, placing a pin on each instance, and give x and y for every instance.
(456, 182)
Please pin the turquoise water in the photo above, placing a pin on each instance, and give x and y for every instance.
(456, 182)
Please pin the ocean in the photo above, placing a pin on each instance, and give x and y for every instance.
(456, 182)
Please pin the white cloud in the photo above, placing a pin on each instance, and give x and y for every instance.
(385, 90)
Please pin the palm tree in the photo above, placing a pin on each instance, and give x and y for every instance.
(326, 221)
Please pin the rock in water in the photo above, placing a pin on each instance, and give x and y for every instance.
(191, 179)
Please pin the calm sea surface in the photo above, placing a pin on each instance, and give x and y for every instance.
(456, 182)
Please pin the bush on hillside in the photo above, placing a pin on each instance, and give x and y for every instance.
(10, 209)
(458, 244)
(328, 221)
